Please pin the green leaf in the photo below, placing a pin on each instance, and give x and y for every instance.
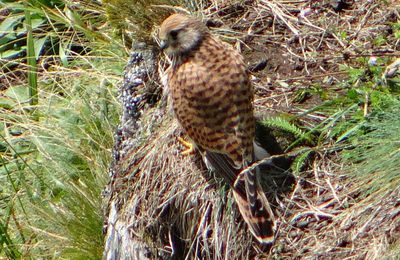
(22, 146)
(31, 60)
(286, 126)
(13, 54)
(37, 21)
(352, 94)
(380, 40)
(74, 17)
(348, 133)
(301, 160)
(3, 147)
(39, 44)
(343, 35)
(16, 7)
(18, 93)
(9, 23)
(49, 3)
(63, 55)
(10, 250)
(6, 103)
(6, 40)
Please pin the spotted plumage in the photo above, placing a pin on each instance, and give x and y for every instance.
(212, 100)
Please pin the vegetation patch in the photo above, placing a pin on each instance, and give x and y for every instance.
(58, 112)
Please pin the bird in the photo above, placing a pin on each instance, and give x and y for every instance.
(212, 99)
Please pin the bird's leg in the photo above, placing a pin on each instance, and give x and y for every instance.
(189, 146)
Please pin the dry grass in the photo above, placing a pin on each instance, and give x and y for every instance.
(178, 209)
(135, 19)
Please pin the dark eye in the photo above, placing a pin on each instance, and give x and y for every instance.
(174, 34)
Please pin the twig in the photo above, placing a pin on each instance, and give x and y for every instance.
(333, 191)
(317, 214)
(277, 11)
(366, 223)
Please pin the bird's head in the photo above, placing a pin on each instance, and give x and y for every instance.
(179, 34)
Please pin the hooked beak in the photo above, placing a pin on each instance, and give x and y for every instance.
(163, 44)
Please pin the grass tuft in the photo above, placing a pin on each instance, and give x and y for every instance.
(136, 19)
(374, 159)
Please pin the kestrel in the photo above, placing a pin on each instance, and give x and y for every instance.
(212, 99)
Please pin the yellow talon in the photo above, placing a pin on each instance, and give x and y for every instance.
(190, 147)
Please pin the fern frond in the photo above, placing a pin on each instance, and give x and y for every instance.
(301, 159)
(285, 125)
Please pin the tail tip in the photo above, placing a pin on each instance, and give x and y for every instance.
(266, 240)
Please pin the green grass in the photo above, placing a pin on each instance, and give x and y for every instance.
(56, 151)
(367, 142)
(374, 160)
(54, 166)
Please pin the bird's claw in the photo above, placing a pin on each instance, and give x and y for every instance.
(189, 147)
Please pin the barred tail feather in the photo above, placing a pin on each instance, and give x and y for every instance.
(260, 219)
(250, 183)
(252, 203)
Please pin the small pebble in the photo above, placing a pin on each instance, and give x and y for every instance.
(372, 61)
(305, 12)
